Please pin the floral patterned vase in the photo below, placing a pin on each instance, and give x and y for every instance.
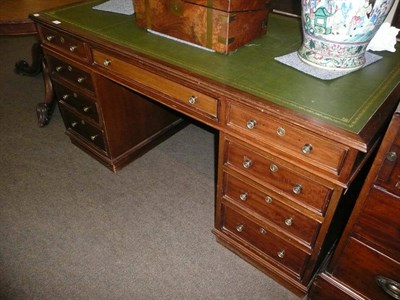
(336, 33)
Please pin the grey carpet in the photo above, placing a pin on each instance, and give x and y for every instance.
(71, 229)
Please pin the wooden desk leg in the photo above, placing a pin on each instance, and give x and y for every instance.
(23, 68)
(45, 109)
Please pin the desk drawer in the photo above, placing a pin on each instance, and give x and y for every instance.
(272, 172)
(70, 72)
(64, 42)
(379, 221)
(303, 144)
(82, 104)
(278, 249)
(79, 126)
(360, 265)
(190, 98)
(269, 207)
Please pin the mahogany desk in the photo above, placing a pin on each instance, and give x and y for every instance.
(289, 146)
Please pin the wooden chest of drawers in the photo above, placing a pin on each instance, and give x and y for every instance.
(366, 262)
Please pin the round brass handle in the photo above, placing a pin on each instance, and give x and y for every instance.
(59, 68)
(281, 254)
(192, 100)
(87, 109)
(81, 79)
(66, 97)
(389, 286)
(280, 131)
(73, 48)
(247, 163)
(240, 228)
(50, 38)
(307, 148)
(268, 199)
(297, 188)
(289, 221)
(274, 168)
(74, 124)
(250, 124)
(107, 62)
(391, 156)
(93, 137)
(243, 196)
(262, 230)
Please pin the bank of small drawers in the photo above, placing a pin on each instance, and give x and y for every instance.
(278, 175)
(64, 42)
(70, 72)
(300, 143)
(74, 99)
(196, 101)
(269, 207)
(276, 249)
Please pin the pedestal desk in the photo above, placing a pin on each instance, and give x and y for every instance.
(290, 145)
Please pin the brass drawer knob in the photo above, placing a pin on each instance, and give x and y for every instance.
(243, 196)
(50, 38)
(74, 124)
(81, 79)
(389, 286)
(87, 109)
(391, 156)
(73, 48)
(247, 163)
(239, 228)
(281, 254)
(280, 131)
(307, 148)
(107, 62)
(59, 68)
(250, 124)
(66, 97)
(263, 231)
(268, 199)
(297, 188)
(274, 168)
(94, 137)
(192, 100)
(289, 221)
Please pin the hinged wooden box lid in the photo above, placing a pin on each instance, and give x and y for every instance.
(220, 25)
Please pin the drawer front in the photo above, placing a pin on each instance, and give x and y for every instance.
(320, 152)
(70, 72)
(279, 250)
(379, 220)
(82, 104)
(389, 173)
(267, 170)
(360, 266)
(64, 43)
(269, 207)
(192, 99)
(90, 133)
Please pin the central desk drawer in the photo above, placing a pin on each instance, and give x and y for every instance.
(303, 144)
(275, 173)
(191, 98)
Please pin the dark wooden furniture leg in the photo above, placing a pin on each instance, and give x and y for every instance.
(22, 67)
(44, 110)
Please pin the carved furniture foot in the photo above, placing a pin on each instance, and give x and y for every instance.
(23, 68)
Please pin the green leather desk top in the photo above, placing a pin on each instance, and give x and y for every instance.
(347, 102)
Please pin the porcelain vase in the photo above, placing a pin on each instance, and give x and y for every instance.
(336, 33)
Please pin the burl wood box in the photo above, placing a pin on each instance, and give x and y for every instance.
(220, 25)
